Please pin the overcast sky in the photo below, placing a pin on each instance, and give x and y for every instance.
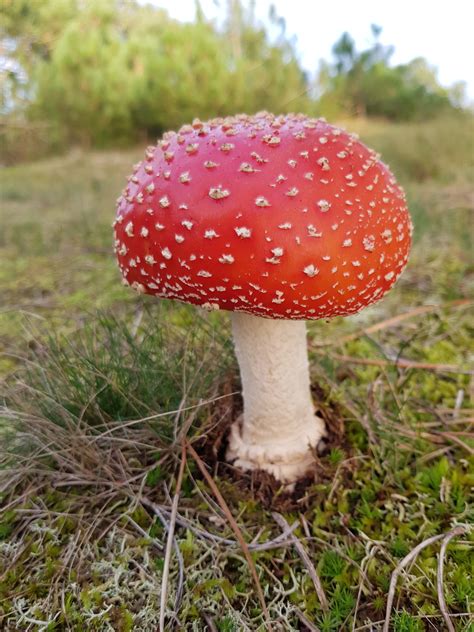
(439, 30)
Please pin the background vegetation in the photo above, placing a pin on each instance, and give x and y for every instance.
(110, 403)
(114, 72)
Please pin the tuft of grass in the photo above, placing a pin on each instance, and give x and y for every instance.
(94, 424)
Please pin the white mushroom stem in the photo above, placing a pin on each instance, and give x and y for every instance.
(279, 428)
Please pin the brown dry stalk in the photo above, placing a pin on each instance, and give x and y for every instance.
(236, 529)
(401, 362)
(459, 530)
(439, 577)
(311, 627)
(434, 437)
(120, 426)
(384, 324)
(280, 520)
(455, 439)
(169, 541)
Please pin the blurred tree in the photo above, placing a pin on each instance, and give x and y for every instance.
(83, 85)
(265, 74)
(362, 83)
(112, 70)
(116, 71)
(28, 31)
(178, 72)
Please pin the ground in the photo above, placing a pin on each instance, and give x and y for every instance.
(114, 404)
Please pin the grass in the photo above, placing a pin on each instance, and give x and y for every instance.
(106, 396)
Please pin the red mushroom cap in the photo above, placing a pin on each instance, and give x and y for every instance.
(279, 216)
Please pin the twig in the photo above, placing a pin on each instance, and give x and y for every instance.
(144, 533)
(311, 627)
(169, 542)
(209, 622)
(371, 552)
(406, 560)
(370, 626)
(342, 464)
(400, 362)
(136, 322)
(393, 581)
(434, 437)
(452, 437)
(439, 578)
(179, 555)
(132, 422)
(280, 520)
(384, 324)
(432, 455)
(235, 528)
(276, 543)
(458, 403)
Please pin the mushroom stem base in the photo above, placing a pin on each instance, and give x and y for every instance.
(287, 463)
(278, 430)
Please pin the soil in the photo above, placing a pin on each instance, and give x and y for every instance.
(259, 485)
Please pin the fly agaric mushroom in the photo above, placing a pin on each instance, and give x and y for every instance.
(277, 219)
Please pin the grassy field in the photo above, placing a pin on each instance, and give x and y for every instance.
(112, 403)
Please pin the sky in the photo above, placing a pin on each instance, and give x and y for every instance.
(439, 30)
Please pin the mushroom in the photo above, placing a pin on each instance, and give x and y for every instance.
(277, 219)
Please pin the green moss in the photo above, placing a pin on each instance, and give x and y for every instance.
(404, 622)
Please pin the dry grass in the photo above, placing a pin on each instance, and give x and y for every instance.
(102, 517)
